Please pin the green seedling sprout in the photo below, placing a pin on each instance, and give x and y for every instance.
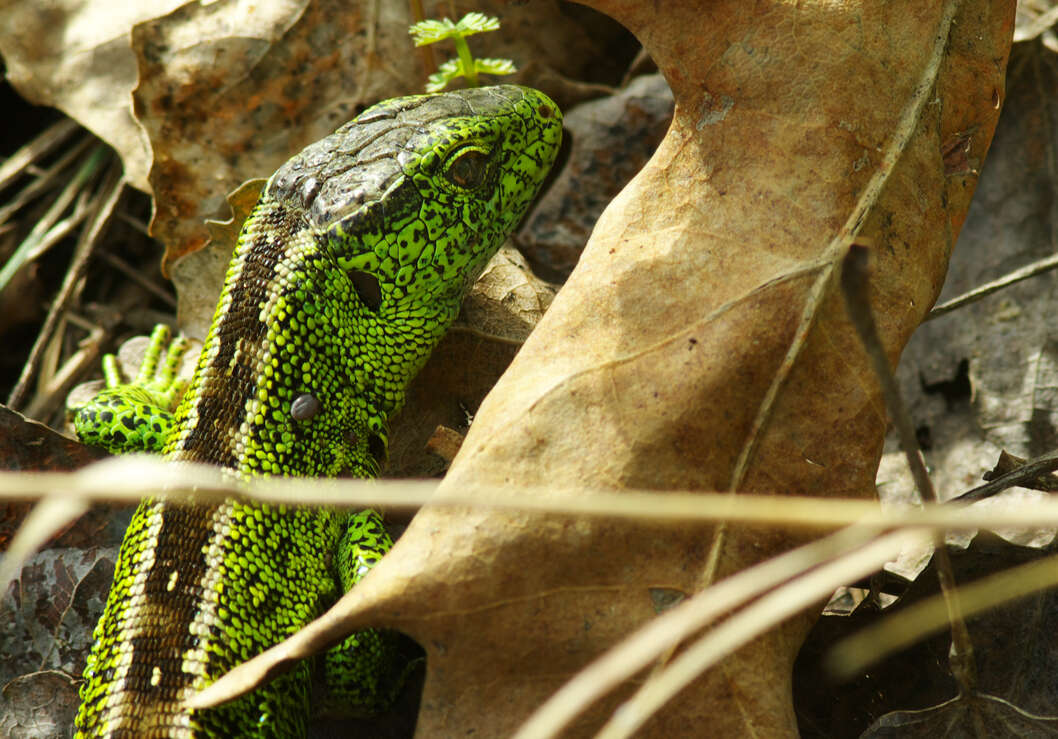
(432, 31)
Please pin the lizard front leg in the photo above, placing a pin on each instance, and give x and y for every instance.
(136, 416)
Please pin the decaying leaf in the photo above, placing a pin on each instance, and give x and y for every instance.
(48, 614)
(700, 344)
(977, 715)
(229, 91)
(41, 704)
(28, 445)
(1014, 652)
(76, 57)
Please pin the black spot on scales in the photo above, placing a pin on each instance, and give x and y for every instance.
(241, 327)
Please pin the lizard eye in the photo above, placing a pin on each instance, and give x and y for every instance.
(468, 169)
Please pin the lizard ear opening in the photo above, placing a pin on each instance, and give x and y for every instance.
(367, 287)
(377, 448)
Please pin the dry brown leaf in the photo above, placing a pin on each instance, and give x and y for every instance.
(701, 344)
(507, 301)
(228, 91)
(75, 56)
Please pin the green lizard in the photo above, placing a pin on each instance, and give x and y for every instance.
(348, 271)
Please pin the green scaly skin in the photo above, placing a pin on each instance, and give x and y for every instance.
(348, 271)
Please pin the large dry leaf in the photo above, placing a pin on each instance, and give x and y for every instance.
(701, 344)
(719, 353)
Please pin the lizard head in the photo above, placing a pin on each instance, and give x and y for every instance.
(415, 195)
(348, 272)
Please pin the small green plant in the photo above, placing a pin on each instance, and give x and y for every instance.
(465, 65)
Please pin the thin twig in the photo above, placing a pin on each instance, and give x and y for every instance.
(131, 477)
(1024, 273)
(136, 223)
(1028, 471)
(109, 195)
(39, 147)
(31, 245)
(48, 398)
(134, 275)
(59, 230)
(854, 284)
(46, 179)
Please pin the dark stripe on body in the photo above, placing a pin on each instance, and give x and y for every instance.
(220, 404)
(225, 389)
(163, 635)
